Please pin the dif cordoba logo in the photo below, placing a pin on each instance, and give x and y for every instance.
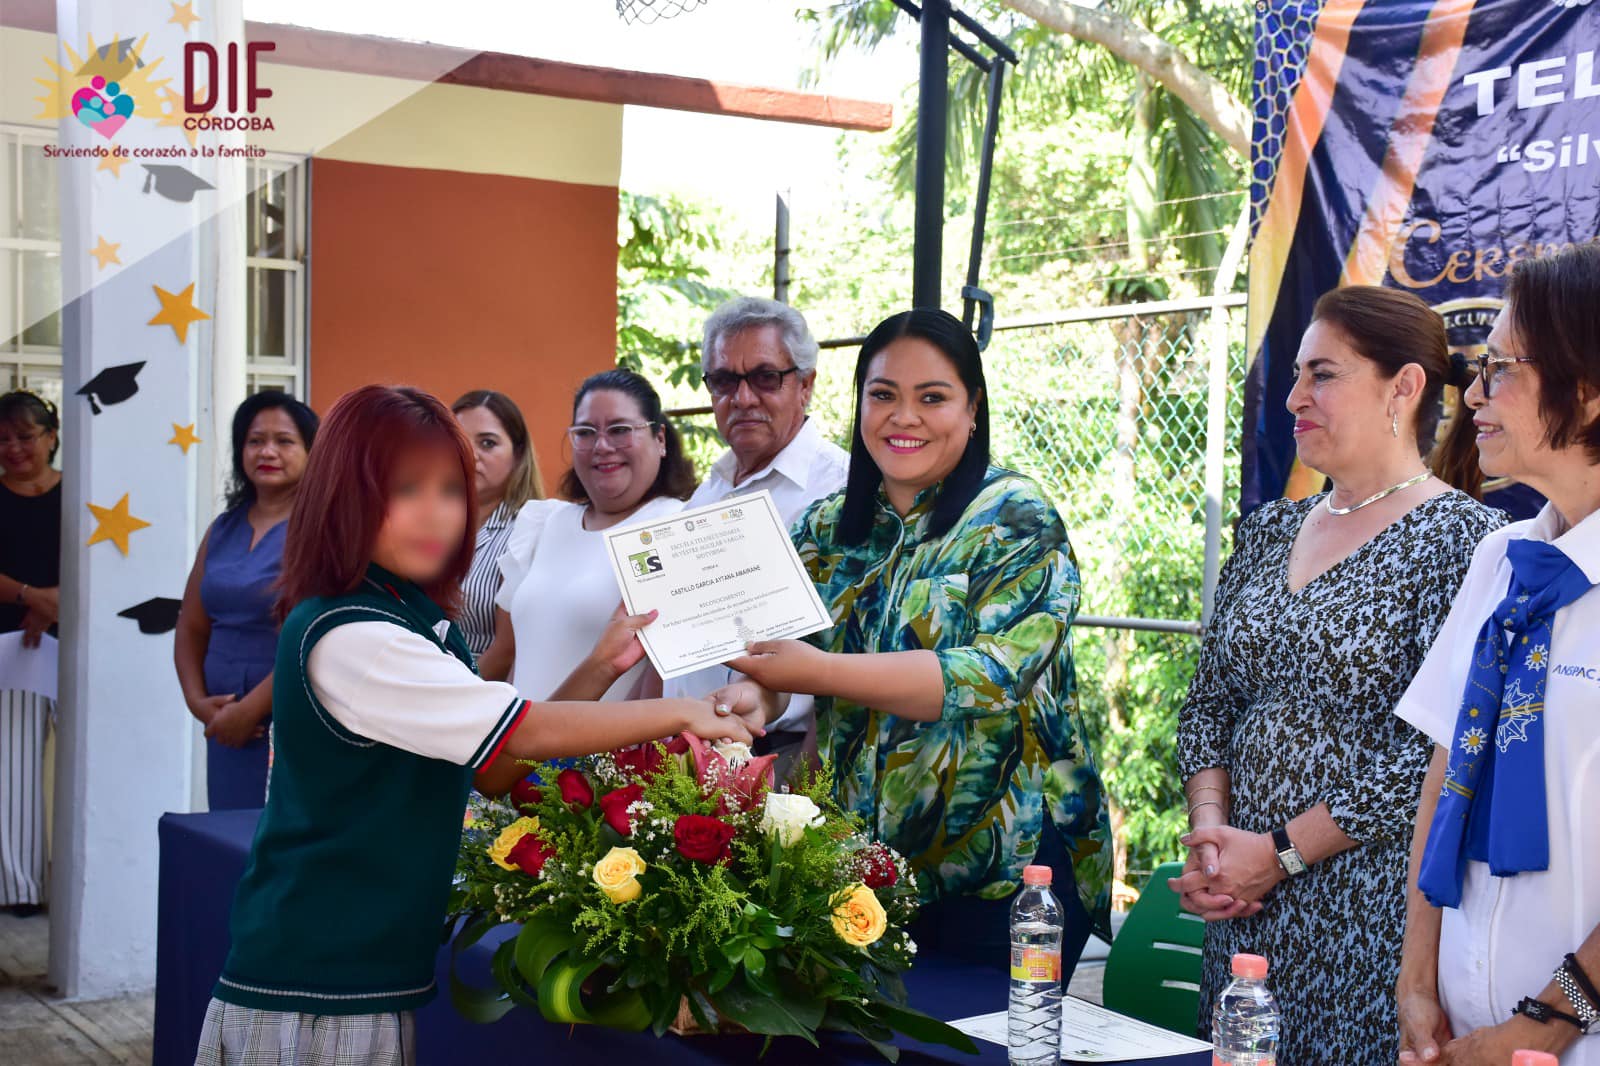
(103, 88)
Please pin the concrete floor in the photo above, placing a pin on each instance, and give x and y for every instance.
(38, 1028)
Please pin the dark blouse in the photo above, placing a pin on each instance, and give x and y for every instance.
(30, 546)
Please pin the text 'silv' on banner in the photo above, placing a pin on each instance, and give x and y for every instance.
(1422, 144)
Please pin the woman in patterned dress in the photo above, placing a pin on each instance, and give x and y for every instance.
(1302, 785)
(946, 697)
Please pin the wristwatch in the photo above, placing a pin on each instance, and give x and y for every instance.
(1288, 855)
(1543, 1013)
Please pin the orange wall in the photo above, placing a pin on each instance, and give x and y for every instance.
(452, 281)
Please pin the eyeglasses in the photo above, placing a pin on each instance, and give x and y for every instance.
(620, 435)
(1490, 371)
(726, 382)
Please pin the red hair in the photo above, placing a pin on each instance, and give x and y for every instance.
(344, 494)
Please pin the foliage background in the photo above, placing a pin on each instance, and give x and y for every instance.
(1105, 190)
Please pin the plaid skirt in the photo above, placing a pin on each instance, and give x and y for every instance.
(242, 1036)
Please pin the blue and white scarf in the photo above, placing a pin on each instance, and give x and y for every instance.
(1492, 806)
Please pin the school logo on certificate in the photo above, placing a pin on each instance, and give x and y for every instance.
(645, 563)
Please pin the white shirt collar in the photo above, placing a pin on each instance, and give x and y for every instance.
(1581, 543)
(792, 463)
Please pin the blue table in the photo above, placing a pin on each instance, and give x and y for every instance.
(203, 856)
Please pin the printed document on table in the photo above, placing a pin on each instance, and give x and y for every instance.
(1091, 1033)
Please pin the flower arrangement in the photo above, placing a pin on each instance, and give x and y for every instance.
(670, 886)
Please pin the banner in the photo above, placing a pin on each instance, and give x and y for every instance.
(1423, 145)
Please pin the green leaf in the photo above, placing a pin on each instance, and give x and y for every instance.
(782, 1014)
(923, 1027)
(755, 963)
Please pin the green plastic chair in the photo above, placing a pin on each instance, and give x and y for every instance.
(1153, 971)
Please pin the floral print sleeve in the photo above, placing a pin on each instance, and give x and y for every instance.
(966, 797)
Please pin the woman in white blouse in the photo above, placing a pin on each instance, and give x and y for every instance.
(558, 592)
(1502, 944)
(507, 474)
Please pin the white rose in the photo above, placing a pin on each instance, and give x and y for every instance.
(736, 752)
(786, 816)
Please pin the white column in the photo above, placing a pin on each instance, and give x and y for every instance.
(124, 753)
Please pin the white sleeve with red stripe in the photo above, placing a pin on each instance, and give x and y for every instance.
(389, 684)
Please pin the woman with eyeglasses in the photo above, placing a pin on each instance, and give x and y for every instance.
(1502, 935)
(30, 576)
(558, 590)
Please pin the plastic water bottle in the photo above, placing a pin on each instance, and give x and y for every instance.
(1244, 1025)
(1034, 1022)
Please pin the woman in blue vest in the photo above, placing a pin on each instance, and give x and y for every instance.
(381, 725)
(227, 636)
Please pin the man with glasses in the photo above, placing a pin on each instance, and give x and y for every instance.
(760, 362)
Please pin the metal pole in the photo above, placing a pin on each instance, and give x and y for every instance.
(780, 251)
(980, 213)
(932, 116)
(1217, 408)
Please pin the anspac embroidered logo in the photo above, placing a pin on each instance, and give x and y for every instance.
(103, 88)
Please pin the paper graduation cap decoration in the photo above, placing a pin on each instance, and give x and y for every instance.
(158, 615)
(112, 385)
(174, 182)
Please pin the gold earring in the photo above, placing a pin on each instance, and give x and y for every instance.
(1394, 425)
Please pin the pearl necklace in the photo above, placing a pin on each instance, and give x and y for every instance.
(1390, 491)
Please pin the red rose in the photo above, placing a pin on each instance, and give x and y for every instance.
(531, 854)
(876, 867)
(575, 788)
(646, 760)
(615, 807)
(525, 793)
(702, 838)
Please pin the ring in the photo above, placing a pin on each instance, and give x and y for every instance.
(723, 709)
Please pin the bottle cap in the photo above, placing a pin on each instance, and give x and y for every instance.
(1251, 966)
(1533, 1058)
(1037, 875)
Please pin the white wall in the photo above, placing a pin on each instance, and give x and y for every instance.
(124, 745)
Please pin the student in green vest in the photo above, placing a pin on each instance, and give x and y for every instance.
(380, 724)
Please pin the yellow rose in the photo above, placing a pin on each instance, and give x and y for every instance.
(617, 874)
(858, 917)
(508, 839)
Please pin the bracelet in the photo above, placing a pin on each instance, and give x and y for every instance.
(1578, 989)
(1543, 1013)
(1205, 788)
(1204, 803)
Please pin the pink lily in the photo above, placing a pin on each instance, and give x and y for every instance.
(741, 784)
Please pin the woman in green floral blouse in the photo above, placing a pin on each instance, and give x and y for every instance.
(946, 697)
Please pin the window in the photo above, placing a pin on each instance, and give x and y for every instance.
(30, 265)
(30, 269)
(275, 276)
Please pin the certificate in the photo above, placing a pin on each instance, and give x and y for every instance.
(720, 576)
(1091, 1033)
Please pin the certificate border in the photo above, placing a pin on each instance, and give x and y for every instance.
(763, 499)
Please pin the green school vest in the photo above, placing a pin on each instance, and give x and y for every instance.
(342, 903)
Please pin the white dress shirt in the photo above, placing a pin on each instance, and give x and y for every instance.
(1510, 933)
(560, 592)
(807, 469)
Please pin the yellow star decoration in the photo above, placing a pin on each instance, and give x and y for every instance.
(114, 162)
(175, 114)
(116, 524)
(177, 311)
(105, 253)
(183, 15)
(183, 436)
